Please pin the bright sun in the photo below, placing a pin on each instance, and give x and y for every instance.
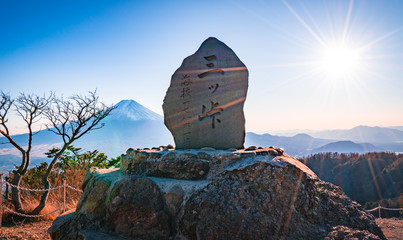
(339, 61)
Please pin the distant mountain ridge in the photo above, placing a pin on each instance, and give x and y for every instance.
(347, 147)
(397, 127)
(361, 134)
(131, 125)
(298, 145)
(388, 139)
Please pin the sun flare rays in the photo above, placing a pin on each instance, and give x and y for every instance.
(342, 60)
(339, 58)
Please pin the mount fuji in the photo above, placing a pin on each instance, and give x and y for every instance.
(130, 110)
(130, 125)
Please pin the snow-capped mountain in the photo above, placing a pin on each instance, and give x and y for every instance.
(131, 110)
(130, 125)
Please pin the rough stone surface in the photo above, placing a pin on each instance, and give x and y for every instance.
(263, 201)
(192, 169)
(266, 195)
(97, 183)
(131, 206)
(203, 106)
(137, 209)
(74, 226)
(185, 164)
(174, 198)
(341, 233)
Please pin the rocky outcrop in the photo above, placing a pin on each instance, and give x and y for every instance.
(258, 193)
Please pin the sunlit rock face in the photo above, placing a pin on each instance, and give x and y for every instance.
(203, 106)
(254, 193)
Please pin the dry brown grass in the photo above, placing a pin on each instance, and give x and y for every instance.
(30, 199)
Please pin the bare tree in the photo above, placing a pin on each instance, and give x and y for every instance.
(72, 119)
(29, 108)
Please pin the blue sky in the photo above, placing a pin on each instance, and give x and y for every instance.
(130, 49)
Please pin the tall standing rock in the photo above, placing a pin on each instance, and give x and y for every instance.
(203, 106)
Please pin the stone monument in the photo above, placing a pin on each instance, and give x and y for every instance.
(203, 106)
(216, 191)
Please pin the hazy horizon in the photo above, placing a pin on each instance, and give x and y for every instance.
(312, 65)
(282, 132)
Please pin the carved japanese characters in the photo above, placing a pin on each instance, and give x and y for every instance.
(203, 106)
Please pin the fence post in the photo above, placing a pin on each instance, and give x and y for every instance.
(64, 196)
(1, 200)
(379, 207)
(6, 197)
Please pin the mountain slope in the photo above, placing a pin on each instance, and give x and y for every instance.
(298, 145)
(130, 110)
(347, 147)
(363, 134)
(364, 178)
(397, 127)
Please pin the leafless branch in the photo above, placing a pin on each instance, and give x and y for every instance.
(31, 107)
(5, 104)
(76, 116)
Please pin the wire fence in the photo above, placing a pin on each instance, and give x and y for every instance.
(379, 208)
(33, 190)
(31, 216)
(384, 208)
(3, 207)
(64, 207)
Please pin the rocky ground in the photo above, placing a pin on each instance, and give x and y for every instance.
(391, 227)
(26, 230)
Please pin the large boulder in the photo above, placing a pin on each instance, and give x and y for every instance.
(246, 194)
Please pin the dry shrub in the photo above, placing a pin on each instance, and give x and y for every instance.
(30, 199)
(50, 207)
